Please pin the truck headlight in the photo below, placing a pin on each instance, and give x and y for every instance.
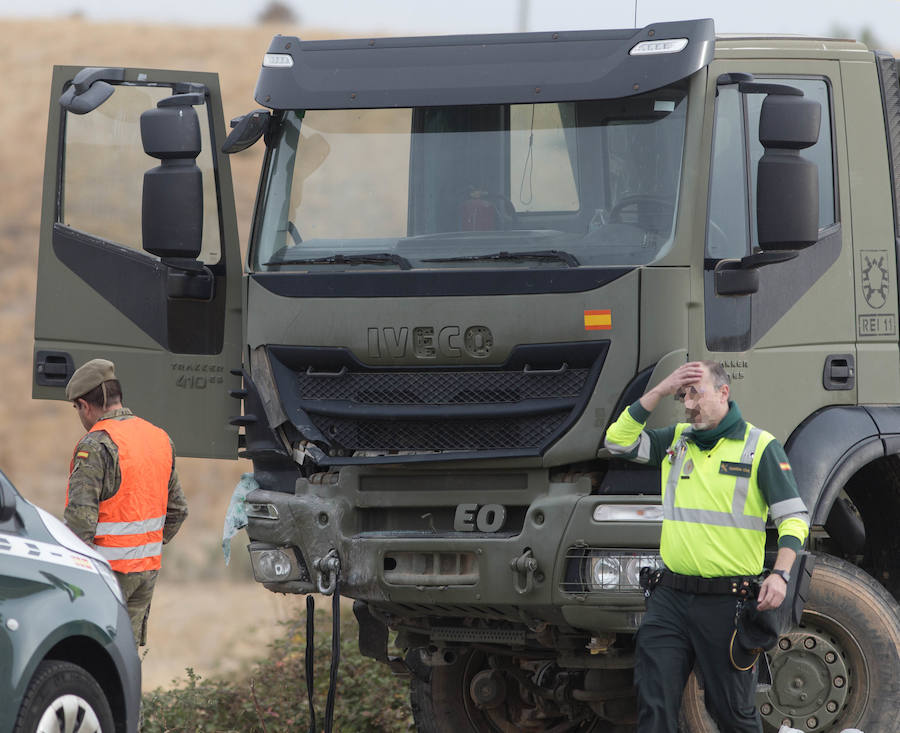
(276, 564)
(605, 572)
(618, 570)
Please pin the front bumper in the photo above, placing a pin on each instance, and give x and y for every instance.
(423, 553)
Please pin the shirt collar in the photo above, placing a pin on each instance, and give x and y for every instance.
(117, 412)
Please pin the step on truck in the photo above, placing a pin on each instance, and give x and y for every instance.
(468, 254)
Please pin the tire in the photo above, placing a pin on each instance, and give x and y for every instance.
(438, 702)
(63, 698)
(846, 652)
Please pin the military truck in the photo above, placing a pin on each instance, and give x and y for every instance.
(468, 254)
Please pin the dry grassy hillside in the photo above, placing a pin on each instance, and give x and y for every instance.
(39, 435)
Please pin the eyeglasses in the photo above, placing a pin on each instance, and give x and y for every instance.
(691, 391)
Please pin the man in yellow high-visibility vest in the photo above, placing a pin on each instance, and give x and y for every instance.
(721, 478)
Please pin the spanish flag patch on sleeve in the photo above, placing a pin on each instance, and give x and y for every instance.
(784, 466)
(82, 454)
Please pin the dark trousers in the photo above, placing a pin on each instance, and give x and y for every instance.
(680, 630)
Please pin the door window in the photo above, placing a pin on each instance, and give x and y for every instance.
(821, 153)
(104, 169)
(731, 225)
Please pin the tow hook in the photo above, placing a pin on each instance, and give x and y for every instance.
(327, 570)
(523, 568)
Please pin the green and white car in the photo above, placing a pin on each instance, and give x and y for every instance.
(68, 660)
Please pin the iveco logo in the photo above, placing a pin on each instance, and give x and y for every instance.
(488, 518)
(430, 342)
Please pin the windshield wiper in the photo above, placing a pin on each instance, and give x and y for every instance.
(375, 258)
(541, 256)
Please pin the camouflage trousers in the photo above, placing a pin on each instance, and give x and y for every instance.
(138, 591)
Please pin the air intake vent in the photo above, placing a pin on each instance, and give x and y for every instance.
(520, 407)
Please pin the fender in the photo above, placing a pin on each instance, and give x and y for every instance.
(832, 444)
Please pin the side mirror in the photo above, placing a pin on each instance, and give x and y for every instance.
(89, 89)
(741, 277)
(732, 279)
(246, 130)
(787, 185)
(172, 217)
(7, 501)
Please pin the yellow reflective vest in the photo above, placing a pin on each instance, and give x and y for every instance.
(714, 514)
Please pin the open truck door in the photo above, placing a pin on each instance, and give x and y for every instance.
(139, 256)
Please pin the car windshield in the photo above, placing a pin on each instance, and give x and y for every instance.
(561, 185)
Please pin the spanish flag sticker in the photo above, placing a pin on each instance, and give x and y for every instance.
(82, 454)
(598, 320)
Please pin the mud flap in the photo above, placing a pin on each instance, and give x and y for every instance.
(373, 635)
(797, 593)
(373, 640)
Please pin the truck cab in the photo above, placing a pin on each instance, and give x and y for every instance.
(468, 255)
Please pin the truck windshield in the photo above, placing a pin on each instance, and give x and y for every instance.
(560, 185)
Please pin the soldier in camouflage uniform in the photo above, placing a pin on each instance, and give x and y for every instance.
(124, 497)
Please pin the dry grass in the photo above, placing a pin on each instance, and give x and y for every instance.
(214, 627)
(40, 435)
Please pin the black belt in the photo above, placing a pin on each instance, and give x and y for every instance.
(740, 586)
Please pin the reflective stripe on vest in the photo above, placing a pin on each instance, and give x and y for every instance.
(130, 523)
(736, 517)
(139, 527)
(120, 554)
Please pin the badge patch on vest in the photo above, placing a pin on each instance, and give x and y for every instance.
(735, 469)
(687, 468)
(82, 454)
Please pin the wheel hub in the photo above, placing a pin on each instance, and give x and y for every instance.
(513, 696)
(810, 681)
(67, 714)
(488, 689)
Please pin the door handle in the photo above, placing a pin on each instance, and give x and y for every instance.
(839, 372)
(53, 368)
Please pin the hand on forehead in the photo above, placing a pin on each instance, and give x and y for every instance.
(693, 372)
(691, 377)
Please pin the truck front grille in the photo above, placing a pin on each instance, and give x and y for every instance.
(440, 388)
(426, 435)
(520, 407)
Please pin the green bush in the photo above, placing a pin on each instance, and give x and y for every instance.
(272, 697)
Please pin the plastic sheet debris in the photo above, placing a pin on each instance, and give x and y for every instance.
(236, 516)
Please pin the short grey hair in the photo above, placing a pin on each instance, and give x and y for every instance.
(717, 372)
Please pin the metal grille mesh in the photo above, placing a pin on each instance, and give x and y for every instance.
(440, 388)
(489, 409)
(421, 435)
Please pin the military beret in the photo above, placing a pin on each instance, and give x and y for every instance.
(88, 376)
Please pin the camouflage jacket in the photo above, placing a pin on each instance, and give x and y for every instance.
(96, 476)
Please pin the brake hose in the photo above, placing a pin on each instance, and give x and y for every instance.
(308, 660)
(335, 657)
(335, 654)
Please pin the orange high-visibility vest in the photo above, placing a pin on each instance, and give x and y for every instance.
(130, 524)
